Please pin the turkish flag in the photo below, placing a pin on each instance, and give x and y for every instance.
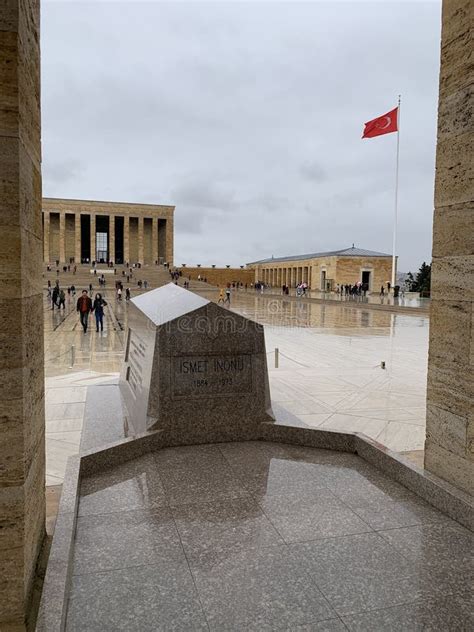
(385, 124)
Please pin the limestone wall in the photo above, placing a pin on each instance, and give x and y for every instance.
(22, 453)
(450, 418)
(221, 276)
(349, 270)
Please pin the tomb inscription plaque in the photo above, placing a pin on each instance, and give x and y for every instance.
(205, 376)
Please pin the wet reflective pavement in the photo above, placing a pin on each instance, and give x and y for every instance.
(329, 373)
(263, 536)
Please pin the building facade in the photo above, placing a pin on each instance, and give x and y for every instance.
(81, 231)
(325, 270)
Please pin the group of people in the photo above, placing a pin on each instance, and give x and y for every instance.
(347, 289)
(224, 295)
(57, 296)
(85, 306)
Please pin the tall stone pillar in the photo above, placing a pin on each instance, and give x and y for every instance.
(112, 238)
(126, 239)
(449, 447)
(154, 238)
(77, 238)
(140, 240)
(22, 454)
(62, 237)
(46, 236)
(93, 248)
(169, 241)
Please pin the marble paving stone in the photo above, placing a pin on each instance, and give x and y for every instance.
(453, 613)
(304, 407)
(64, 411)
(53, 480)
(392, 514)
(125, 539)
(132, 485)
(66, 395)
(282, 476)
(210, 532)
(153, 598)
(347, 423)
(71, 436)
(64, 425)
(359, 489)
(299, 518)
(200, 475)
(264, 589)
(402, 436)
(331, 625)
(443, 541)
(316, 420)
(361, 572)
(57, 455)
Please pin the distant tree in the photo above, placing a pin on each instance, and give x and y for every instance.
(422, 282)
(409, 282)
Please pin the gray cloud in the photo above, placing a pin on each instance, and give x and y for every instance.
(248, 117)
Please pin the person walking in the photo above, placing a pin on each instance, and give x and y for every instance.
(84, 306)
(127, 294)
(221, 296)
(62, 300)
(98, 309)
(55, 296)
(227, 295)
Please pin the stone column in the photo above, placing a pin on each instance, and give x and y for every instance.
(112, 238)
(449, 447)
(46, 236)
(154, 239)
(93, 249)
(140, 240)
(22, 454)
(62, 237)
(169, 241)
(77, 238)
(126, 239)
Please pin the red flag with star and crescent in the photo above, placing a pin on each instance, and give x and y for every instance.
(385, 124)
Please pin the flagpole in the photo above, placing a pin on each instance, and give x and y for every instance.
(394, 245)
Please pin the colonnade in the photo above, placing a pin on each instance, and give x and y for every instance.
(290, 276)
(131, 247)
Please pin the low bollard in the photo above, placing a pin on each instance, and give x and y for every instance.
(277, 357)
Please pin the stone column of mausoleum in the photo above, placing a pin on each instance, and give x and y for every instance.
(22, 451)
(450, 418)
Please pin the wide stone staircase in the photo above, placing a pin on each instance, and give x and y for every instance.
(155, 275)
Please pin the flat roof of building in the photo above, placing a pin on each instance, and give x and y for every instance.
(346, 252)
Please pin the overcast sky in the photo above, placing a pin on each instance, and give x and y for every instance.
(248, 117)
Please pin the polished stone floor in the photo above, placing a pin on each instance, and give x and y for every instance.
(329, 373)
(263, 536)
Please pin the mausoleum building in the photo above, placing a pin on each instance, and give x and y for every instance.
(81, 231)
(324, 270)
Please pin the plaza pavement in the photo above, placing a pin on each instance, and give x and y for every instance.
(329, 374)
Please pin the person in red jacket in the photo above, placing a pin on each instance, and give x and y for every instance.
(84, 306)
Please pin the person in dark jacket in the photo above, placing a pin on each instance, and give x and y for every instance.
(98, 309)
(84, 306)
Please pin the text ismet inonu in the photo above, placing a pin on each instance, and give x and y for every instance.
(216, 365)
